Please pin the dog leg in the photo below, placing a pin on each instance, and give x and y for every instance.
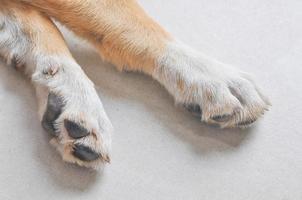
(69, 106)
(127, 37)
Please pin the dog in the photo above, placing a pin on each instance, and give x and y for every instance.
(69, 107)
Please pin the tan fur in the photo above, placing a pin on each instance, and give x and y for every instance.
(34, 25)
(120, 29)
(128, 38)
(43, 37)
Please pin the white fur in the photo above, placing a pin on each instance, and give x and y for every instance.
(12, 40)
(82, 103)
(193, 78)
(69, 81)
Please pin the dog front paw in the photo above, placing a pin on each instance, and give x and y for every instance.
(72, 112)
(81, 132)
(216, 92)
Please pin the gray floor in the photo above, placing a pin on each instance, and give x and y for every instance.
(159, 151)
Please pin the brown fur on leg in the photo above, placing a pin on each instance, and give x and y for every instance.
(123, 33)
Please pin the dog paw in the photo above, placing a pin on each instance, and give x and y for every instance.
(230, 102)
(80, 128)
(217, 93)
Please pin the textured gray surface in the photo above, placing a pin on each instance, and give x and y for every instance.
(159, 151)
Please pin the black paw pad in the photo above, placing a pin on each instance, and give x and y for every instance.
(74, 130)
(194, 109)
(84, 153)
(246, 123)
(221, 118)
(53, 111)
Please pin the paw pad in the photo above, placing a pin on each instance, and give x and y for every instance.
(53, 111)
(246, 123)
(75, 130)
(84, 153)
(221, 118)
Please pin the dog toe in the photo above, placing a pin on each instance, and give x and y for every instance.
(84, 153)
(75, 130)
